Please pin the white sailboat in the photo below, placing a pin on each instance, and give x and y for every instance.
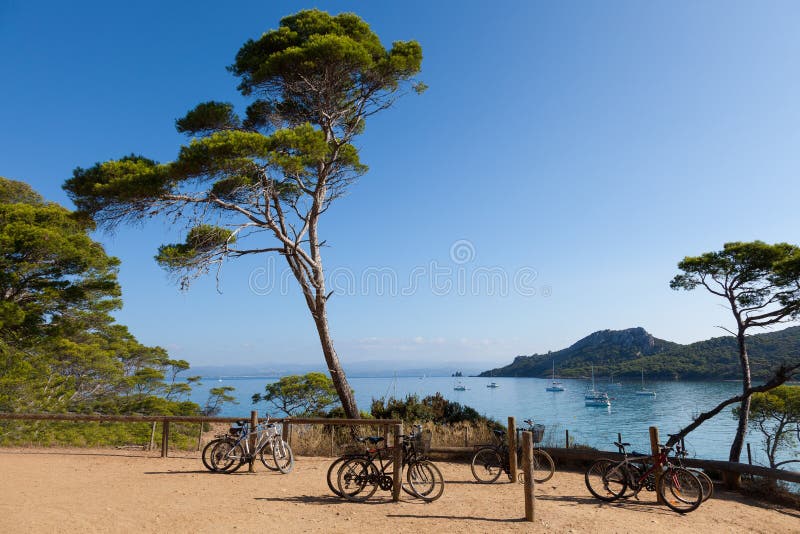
(459, 386)
(594, 397)
(556, 385)
(644, 392)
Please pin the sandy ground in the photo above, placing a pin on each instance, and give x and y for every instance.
(114, 491)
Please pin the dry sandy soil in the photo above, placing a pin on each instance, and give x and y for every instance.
(113, 491)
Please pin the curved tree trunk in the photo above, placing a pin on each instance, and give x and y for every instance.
(744, 412)
(338, 377)
(744, 407)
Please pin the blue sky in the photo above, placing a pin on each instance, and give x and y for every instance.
(591, 143)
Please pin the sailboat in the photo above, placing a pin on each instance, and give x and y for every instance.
(556, 385)
(594, 397)
(613, 384)
(492, 384)
(643, 392)
(459, 386)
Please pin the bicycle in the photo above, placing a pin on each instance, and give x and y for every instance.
(229, 453)
(333, 469)
(490, 461)
(360, 476)
(705, 480)
(679, 488)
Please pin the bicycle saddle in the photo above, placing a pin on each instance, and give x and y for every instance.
(371, 439)
(528, 422)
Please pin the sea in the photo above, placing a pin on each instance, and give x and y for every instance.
(673, 407)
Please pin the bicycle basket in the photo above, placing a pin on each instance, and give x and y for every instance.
(422, 442)
(538, 433)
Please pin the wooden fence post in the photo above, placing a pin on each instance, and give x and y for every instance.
(152, 437)
(655, 450)
(566, 437)
(397, 458)
(527, 469)
(286, 431)
(200, 436)
(466, 436)
(749, 454)
(512, 448)
(165, 438)
(253, 425)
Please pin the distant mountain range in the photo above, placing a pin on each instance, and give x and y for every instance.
(377, 368)
(625, 353)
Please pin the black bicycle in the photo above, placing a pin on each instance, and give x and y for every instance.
(359, 476)
(490, 461)
(705, 480)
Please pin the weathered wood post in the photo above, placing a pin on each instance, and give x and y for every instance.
(749, 454)
(397, 458)
(566, 437)
(165, 438)
(200, 436)
(527, 469)
(655, 451)
(466, 436)
(253, 425)
(512, 448)
(286, 429)
(152, 437)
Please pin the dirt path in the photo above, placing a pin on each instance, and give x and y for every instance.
(109, 491)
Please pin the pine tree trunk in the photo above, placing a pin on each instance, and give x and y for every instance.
(338, 377)
(744, 408)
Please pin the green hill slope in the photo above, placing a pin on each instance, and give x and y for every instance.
(626, 352)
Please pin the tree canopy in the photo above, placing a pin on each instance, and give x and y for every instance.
(761, 286)
(308, 395)
(276, 168)
(60, 348)
(776, 415)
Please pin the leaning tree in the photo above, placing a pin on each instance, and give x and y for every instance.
(273, 171)
(761, 286)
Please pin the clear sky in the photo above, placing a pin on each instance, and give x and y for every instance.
(576, 150)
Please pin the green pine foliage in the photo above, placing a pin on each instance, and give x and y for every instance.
(60, 349)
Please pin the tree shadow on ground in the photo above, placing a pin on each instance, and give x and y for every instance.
(460, 518)
(640, 506)
(60, 452)
(331, 499)
(192, 472)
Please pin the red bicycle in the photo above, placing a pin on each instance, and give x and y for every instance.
(679, 488)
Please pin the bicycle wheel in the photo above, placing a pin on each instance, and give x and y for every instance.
(606, 480)
(266, 457)
(426, 480)
(333, 472)
(543, 466)
(207, 451)
(706, 483)
(680, 490)
(282, 454)
(227, 456)
(487, 465)
(357, 479)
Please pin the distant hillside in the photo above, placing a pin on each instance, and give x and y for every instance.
(626, 352)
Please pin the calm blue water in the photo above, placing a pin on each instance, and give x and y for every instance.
(631, 415)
